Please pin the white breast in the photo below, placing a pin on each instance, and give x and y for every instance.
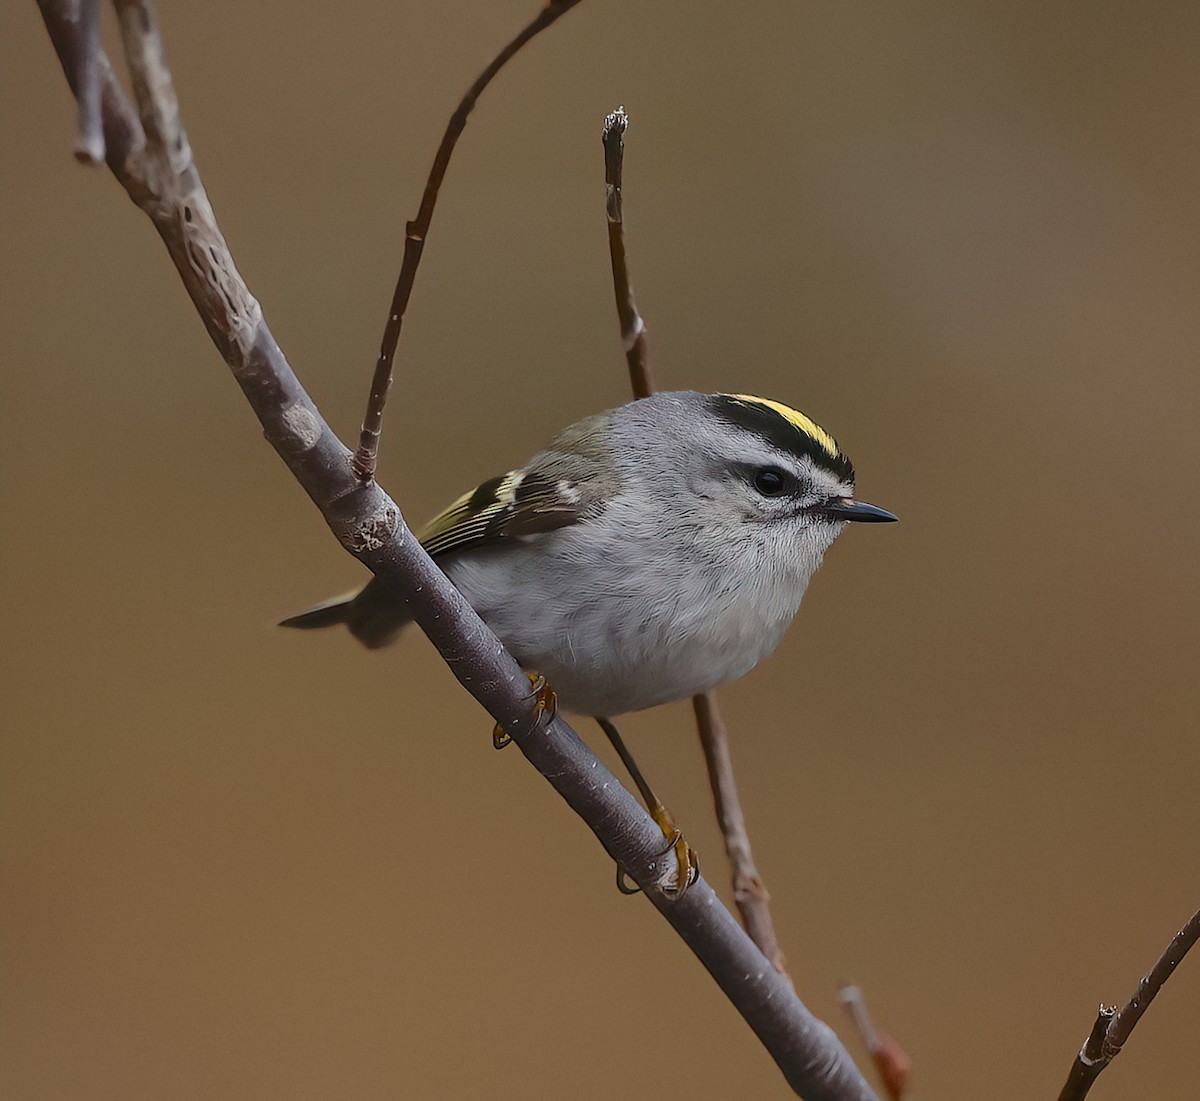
(615, 629)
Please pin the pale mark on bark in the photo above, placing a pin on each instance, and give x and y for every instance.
(304, 427)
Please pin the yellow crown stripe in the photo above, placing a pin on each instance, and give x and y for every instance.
(797, 419)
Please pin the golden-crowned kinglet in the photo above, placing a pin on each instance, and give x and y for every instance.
(647, 554)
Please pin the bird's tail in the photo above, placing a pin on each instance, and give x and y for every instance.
(374, 616)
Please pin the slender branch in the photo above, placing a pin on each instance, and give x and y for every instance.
(1090, 1061)
(890, 1059)
(633, 328)
(415, 234)
(167, 150)
(749, 893)
(1128, 1015)
(1113, 1026)
(369, 525)
(89, 140)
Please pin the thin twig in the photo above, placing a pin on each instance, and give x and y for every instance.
(89, 138)
(633, 328)
(121, 130)
(1113, 1026)
(415, 234)
(369, 525)
(153, 89)
(749, 893)
(890, 1059)
(1090, 1061)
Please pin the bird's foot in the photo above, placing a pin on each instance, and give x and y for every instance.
(687, 862)
(545, 707)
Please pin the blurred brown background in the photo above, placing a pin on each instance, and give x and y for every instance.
(243, 863)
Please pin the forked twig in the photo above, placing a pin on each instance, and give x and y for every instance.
(1113, 1026)
(368, 524)
(415, 233)
(749, 893)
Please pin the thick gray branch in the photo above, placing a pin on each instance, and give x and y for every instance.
(369, 525)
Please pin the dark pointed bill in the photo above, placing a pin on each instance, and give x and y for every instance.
(843, 508)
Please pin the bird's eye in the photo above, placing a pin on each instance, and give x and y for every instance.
(770, 481)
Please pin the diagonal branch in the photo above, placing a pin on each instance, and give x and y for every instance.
(415, 233)
(749, 891)
(369, 525)
(1113, 1026)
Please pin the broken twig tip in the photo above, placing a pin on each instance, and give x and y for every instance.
(617, 122)
(89, 151)
(890, 1059)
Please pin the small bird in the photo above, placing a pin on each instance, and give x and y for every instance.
(648, 554)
